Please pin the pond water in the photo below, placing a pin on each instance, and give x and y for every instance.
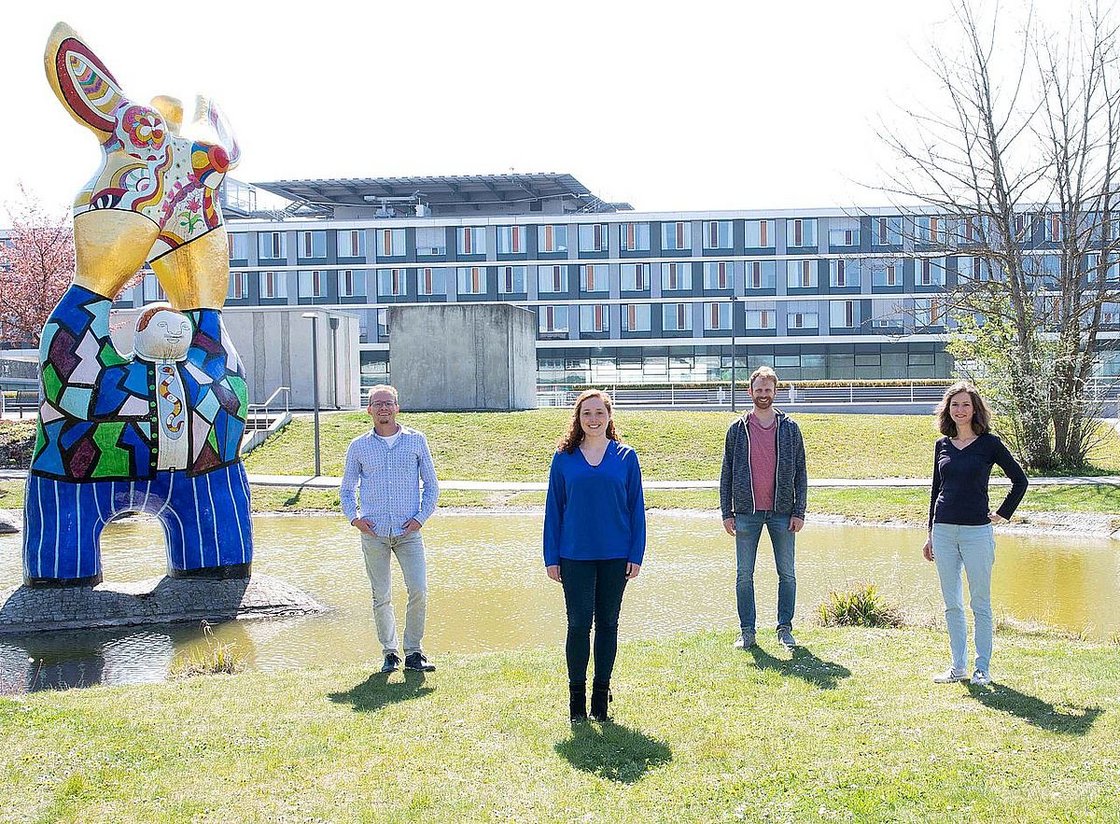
(488, 591)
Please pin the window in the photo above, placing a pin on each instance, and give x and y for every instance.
(760, 234)
(717, 275)
(552, 279)
(1093, 269)
(676, 317)
(886, 273)
(800, 315)
(152, 289)
(273, 285)
(843, 273)
(928, 312)
(390, 243)
(930, 229)
(593, 238)
(311, 284)
(760, 318)
(717, 234)
(511, 240)
(431, 240)
(593, 318)
(842, 314)
(717, 316)
(634, 277)
(351, 283)
(801, 274)
(238, 246)
(594, 277)
(886, 231)
(552, 319)
(930, 272)
(761, 274)
(552, 238)
(1022, 225)
(272, 245)
(676, 277)
(844, 232)
(382, 323)
(351, 243)
(313, 245)
(919, 359)
(471, 240)
(1110, 314)
(801, 232)
(390, 282)
(511, 279)
(635, 317)
(974, 268)
(676, 236)
(634, 237)
(431, 281)
(471, 280)
(886, 313)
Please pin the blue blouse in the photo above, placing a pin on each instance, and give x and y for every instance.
(595, 513)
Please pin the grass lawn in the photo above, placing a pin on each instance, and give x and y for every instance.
(910, 504)
(518, 446)
(849, 728)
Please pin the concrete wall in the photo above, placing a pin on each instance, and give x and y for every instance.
(463, 356)
(275, 347)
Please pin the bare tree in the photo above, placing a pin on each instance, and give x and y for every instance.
(1018, 161)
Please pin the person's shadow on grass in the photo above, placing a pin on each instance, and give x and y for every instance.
(804, 665)
(1061, 718)
(613, 751)
(377, 691)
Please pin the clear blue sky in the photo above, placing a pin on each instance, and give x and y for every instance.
(702, 105)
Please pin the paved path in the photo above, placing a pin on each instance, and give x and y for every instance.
(332, 482)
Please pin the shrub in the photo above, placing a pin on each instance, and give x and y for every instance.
(859, 607)
(216, 658)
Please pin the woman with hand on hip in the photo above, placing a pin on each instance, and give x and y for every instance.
(594, 542)
(960, 522)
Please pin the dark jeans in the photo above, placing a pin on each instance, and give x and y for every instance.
(592, 589)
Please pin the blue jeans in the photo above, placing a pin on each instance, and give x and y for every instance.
(973, 549)
(748, 529)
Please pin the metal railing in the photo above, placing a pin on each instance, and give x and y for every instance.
(259, 410)
(718, 396)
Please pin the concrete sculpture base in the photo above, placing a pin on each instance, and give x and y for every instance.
(154, 601)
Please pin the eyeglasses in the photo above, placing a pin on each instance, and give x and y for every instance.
(382, 404)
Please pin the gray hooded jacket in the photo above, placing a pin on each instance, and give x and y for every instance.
(791, 482)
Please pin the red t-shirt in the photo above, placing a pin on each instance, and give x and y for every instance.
(764, 461)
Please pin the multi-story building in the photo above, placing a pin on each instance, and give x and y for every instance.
(620, 296)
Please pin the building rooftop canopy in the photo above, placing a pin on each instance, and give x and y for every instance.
(433, 196)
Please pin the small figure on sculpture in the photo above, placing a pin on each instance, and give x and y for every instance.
(162, 340)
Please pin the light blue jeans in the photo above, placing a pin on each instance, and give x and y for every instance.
(409, 550)
(748, 530)
(972, 548)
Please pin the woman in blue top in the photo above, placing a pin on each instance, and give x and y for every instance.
(960, 522)
(594, 542)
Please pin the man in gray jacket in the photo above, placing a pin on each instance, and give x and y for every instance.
(764, 483)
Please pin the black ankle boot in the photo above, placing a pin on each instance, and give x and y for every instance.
(577, 702)
(600, 700)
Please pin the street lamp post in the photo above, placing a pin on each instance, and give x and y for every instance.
(731, 300)
(314, 318)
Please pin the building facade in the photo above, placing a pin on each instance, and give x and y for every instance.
(620, 296)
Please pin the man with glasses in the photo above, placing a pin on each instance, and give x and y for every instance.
(385, 467)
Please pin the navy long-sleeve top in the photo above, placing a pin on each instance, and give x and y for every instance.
(595, 513)
(960, 481)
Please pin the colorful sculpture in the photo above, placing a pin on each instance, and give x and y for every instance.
(158, 432)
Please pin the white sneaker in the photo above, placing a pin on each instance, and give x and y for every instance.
(950, 676)
(980, 678)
